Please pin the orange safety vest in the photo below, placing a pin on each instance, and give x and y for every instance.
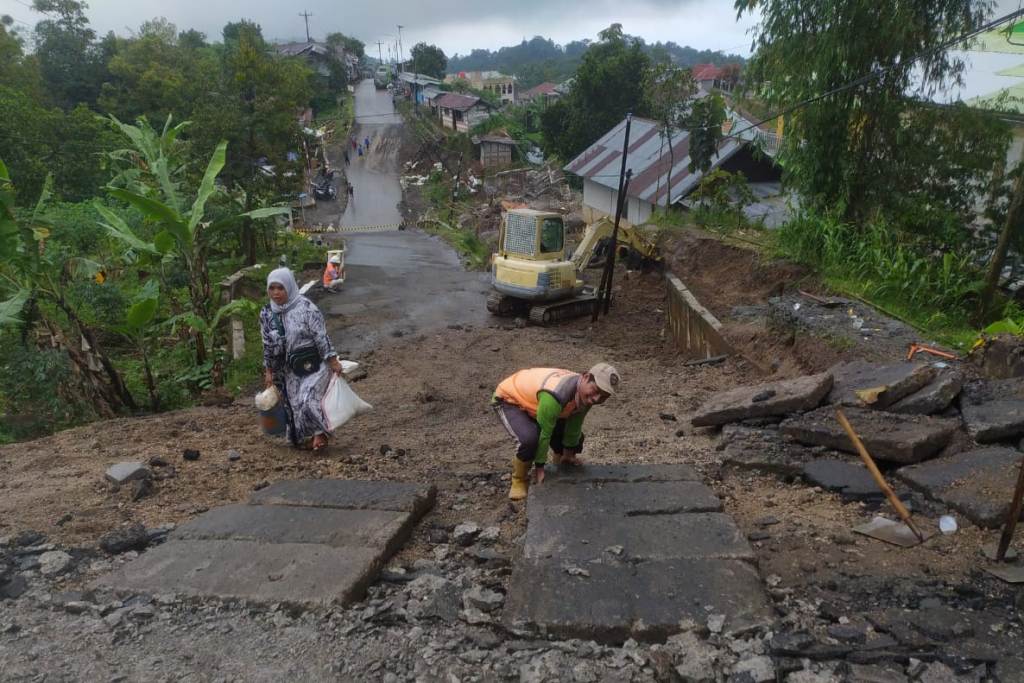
(330, 274)
(522, 389)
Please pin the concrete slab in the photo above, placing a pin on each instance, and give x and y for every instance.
(622, 541)
(984, 390)
(848, 478)
(892, 381)
(994, 420)
(887, 436)
(290, 524)
(122, 472)
(764, 450)
(596, 474)
(979, 483)
(646, 602)
(622, 498)
(934, 397)
(773, 398)
(349, 495)
(304, 574)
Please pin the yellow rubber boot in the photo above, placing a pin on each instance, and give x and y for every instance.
(520, 472)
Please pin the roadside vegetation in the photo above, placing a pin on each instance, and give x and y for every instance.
(135, 175)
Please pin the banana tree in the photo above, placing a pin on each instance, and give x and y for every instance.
(183, 233)
(137, 327)
(35, 270)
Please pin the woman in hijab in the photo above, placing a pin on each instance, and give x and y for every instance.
(298, 357)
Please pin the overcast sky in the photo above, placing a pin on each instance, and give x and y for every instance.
(456, 26)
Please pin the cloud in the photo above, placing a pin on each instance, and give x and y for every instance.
(454, 25)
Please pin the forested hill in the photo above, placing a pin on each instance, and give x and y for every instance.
(540, 59)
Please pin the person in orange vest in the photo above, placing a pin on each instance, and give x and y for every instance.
(333, 271)
(543, 408)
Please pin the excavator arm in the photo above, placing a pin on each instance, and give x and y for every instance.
(596, 232)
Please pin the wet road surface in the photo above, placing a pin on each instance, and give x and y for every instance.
(397, 282)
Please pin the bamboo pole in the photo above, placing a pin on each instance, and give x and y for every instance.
(876, 475)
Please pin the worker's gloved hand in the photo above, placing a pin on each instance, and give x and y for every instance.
(538, 474)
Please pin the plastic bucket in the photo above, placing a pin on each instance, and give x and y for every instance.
(275, 420)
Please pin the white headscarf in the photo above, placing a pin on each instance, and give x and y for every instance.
(284, 277)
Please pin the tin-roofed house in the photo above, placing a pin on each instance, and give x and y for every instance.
(496, 151)
(461, 112)
(652, 165)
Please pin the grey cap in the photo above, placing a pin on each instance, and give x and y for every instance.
(606, 377)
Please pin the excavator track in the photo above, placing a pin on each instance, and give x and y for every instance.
(505, 306)
(547, 314)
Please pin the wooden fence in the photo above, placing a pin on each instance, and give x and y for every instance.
(695, 330)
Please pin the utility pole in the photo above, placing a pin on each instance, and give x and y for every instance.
(380, 51)
(401, 55)
(306, 15)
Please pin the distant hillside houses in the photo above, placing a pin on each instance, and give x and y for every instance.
(501, 85)
(318, 56)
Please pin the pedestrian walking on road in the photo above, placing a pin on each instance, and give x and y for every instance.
(346, 157)
(298, 357)
(351, 190)
(366, 143)
(543, 408)
(360, 150)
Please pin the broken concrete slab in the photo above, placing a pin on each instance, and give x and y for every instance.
(774, 398)
(122, 472)
(849, 478)
(291, 524)
(648, 602)
(880, 385)
(598, 474)
(984, 390)
(934, 397)
(887, 436)
(621, 541)
(994, 420)
(623, 498)
(764, 450)
(349, 495)
(978, 484)
(306, 574)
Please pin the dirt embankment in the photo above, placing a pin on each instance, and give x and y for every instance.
(736, 283)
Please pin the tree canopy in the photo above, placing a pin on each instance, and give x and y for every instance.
(848, 151)
(428, 59)
(608, 85)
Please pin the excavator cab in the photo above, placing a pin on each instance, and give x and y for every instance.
(530, 263)
(532, 275)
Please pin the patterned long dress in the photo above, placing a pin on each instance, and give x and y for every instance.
(303, 326)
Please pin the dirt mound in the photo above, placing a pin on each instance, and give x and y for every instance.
(723, 276)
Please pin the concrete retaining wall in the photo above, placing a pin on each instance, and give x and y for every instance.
(695, 330)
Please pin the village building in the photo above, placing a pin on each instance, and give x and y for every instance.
(318, 56)
(496, 151)
(503, 87)
(421, 88)
(708, 76)
(460, 112)
(649, 158)
(543, 93)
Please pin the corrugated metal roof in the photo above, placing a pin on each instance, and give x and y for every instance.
(648, 157)
(451, 100)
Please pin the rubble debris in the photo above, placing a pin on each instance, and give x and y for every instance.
(131, 537)
(934, 397)
(994, 420)
(860, 383)
(764, 400)
(127, 471)
(978, 483)
(887, 436)
(849, 478)
(764, 450)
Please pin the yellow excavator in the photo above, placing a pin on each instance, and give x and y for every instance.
(531, 274)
